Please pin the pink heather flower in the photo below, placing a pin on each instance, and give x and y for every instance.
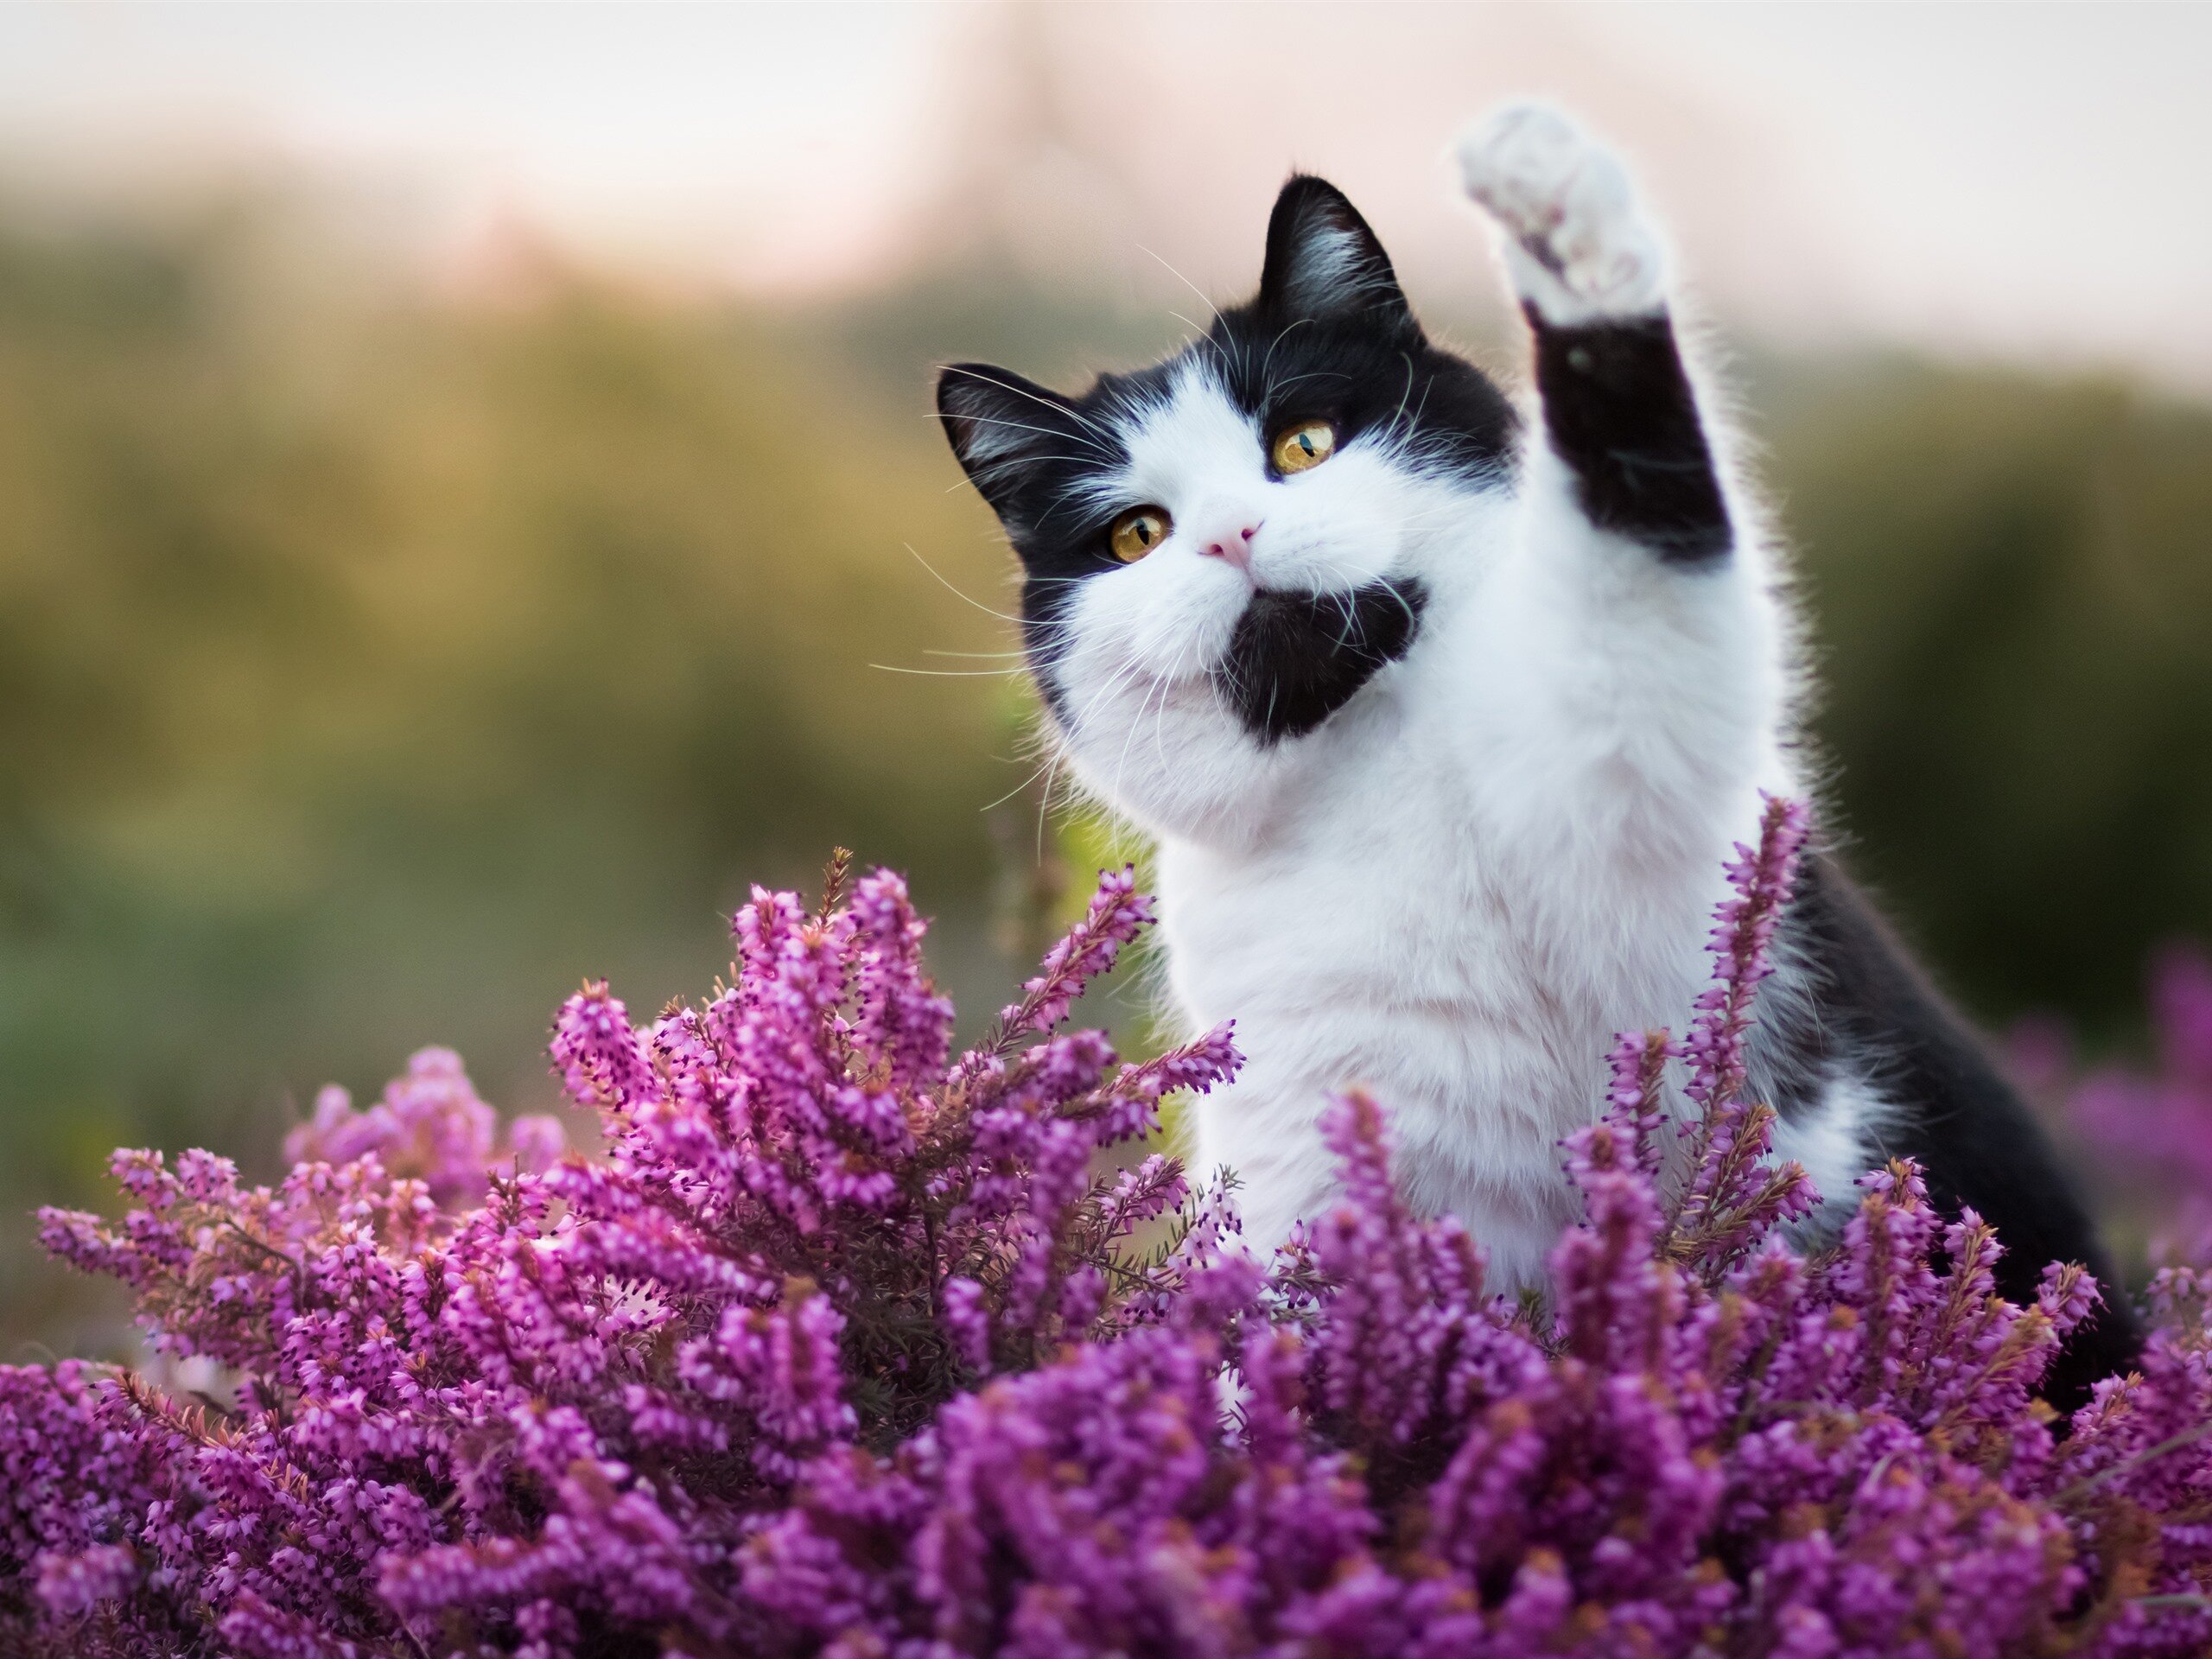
(967, 1321)
(70, 1585)
(849, 1346)
(1734, 1194)
(1117, 912)
(1743, 928)
(598, 1054)
(902, 1025)
(537, 1143)
(1635, 1102)
(431, 1125)
(2155, 1130)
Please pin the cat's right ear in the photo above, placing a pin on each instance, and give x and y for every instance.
(1324, 263)
(1004, 429)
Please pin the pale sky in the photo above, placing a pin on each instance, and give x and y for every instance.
(1982, 179)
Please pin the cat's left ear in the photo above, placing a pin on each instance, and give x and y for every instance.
(1005, 429)
(1325, 264)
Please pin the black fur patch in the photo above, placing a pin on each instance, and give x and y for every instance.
(1621, 416)
(1870, 1015)
(1296, 657)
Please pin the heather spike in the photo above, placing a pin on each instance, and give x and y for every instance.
(1116, 913)
(1762, 878)
(1635, 1102)
(1732, 1195)
(903, 1027)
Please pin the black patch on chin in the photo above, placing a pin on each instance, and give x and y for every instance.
(1298, 657)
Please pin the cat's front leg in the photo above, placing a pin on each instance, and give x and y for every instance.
(1619, 409)
(1627, 662)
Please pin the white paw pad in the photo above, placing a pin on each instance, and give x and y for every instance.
(1580, 248)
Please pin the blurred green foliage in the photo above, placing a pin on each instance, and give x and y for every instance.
(2011, 583)
(374, 665)
(372, 668)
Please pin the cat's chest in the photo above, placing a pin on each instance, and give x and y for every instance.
(1411, 901)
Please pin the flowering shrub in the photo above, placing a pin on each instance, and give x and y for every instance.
(2154, 1134)
(845, 1346)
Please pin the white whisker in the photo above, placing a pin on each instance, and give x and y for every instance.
(1202, 298)
(978, 604)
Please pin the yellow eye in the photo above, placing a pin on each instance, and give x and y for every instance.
(1137, 531)
(1307, 444)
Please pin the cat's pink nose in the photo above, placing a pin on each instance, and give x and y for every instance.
(1233, 545)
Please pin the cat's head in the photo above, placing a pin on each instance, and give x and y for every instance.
(1221, 552)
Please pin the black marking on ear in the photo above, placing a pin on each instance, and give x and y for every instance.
(1621, 416)
(1295, 659)
(1325, 264)
(1004, 429)
(1868, 1014)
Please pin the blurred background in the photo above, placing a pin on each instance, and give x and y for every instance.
(468, 504)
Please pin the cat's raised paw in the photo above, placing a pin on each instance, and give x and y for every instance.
(1577, 243)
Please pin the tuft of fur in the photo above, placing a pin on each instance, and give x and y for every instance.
(1577, 246)
(1444, 765)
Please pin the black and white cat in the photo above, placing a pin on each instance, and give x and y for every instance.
(1443, 714)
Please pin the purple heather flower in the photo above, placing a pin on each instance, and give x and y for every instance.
(1117, 912)
(847, 1345)
(70, 1585)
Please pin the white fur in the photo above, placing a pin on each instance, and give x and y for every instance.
(1505, 849)
(1832, 1145)
(1576, 245)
